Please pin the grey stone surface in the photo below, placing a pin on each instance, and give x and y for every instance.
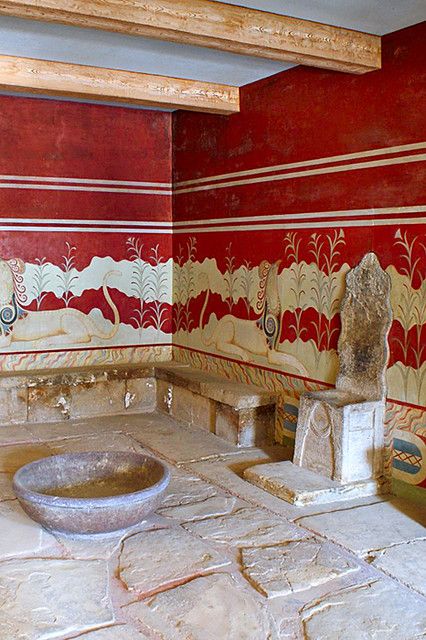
(15, 434)
(19, 535)
(187, 488)
(301, 487)
(340, 440)
(96, 442)
(13, 403)
(140, 395)
(13, 457)
(208, 508)
(243, 427)
(76, 428)
(6, 491)
(366, 316)
(246, 527)
(215, 607)
(180, 444)
(282, 569)
(116, 632)
(372, 527)
(217, 388)
(187, 407)
(102, 398)
(406, 563)
(378, 610)
(48, 403)
(157, 559)
(49, 598)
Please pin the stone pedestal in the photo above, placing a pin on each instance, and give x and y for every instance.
(340, 437)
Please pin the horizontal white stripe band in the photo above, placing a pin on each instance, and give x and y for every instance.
(88, 222)
(124, 183)
(214, 224)
(49, 187)
(216, 229)
(307, 163)
(310, 172)
(307, 225)
(53, 229)
(296, 216)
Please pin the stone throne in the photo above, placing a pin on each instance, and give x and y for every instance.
(340, 448)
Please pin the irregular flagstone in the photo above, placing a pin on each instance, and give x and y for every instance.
(296, 566)
(406, 563)
(156, 559)
(13, 457)
(246, 527)
(185, 488)
(117, 632)
(99, 546)
(215, 607)
(6, 491)
(19, 534)
(15, 434)
(369, 528)
(93, 548)
(210, 507)
(96, 442)
(181, 444)
(380, 610)
(44, 598)
(74, 428)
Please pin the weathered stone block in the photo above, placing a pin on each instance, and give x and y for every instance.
(51, 598)
(164, 394)
(283, 569)
(140, 395)
(185, 405)
(215, 606)
(97, 399)
(13, 405)
(301, 487)
(48, 403)
(193, 409)
(340, 438)
(249, 427)
(153, 560)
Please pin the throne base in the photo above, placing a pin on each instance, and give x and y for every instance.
(302, 487)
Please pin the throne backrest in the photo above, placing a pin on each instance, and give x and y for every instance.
(366, 317)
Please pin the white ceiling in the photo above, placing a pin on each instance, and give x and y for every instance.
(100, 48)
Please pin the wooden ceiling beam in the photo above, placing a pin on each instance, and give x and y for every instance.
(215, 25)
(96, 83)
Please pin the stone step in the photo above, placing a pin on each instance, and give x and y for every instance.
(302, 487)
(239, 413)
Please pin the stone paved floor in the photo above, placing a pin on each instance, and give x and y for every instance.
(220, 560)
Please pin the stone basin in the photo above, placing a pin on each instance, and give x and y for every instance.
(91, 493)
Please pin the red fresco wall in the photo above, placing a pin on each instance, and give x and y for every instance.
(318, 169)
(85, 190)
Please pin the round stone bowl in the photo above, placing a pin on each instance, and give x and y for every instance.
(91, 493)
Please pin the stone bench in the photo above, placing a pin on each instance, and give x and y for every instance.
(241, 414)
(52, 396)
